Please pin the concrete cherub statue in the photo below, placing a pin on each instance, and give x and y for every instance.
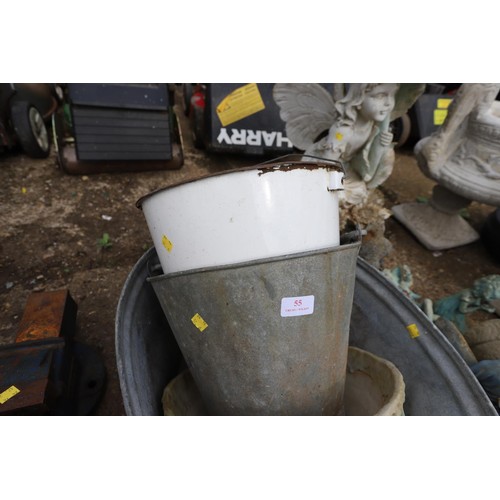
(356, 127)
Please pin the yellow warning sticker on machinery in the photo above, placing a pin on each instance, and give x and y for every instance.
(444, 103)
(167, 243)
(440, 116)
(240, 103)
(413, 331)
(441, 112)
(199, 322)
(8, 393)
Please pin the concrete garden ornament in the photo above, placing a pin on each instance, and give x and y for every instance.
(480, 296)
(354, 126)
(463, 157)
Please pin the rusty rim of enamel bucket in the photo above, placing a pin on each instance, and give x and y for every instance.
(283, 163)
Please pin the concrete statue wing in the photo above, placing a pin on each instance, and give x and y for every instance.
(406, 96)
(307, 110)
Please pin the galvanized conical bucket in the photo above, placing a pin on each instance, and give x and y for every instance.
(267, 337)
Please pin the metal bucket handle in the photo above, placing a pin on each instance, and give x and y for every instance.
(302, 158)
(336, 181)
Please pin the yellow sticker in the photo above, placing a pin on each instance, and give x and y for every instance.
(8, 393)
(199, 322)
(444, 103)
(240, 103)
(440, 116)
(24, 190)
(413, 330)
(339, 136)
(167, 243)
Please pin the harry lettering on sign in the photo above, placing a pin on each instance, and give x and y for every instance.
(244, 137)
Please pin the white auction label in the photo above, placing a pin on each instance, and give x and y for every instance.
(297, 306)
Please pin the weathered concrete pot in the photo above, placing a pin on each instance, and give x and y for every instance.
(374, 387)
(267, 337)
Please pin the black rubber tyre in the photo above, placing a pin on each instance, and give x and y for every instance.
(30, 129)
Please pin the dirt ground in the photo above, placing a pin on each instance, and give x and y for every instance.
(52, 226)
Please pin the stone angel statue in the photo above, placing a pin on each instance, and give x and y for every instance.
(352, 128)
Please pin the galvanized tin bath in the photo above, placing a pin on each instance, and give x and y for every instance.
(437, 380)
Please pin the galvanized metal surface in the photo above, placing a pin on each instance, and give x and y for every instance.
(247, 355)
(437, 381)
(147, 354)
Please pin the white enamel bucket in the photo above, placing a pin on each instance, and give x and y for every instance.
(272, 209)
